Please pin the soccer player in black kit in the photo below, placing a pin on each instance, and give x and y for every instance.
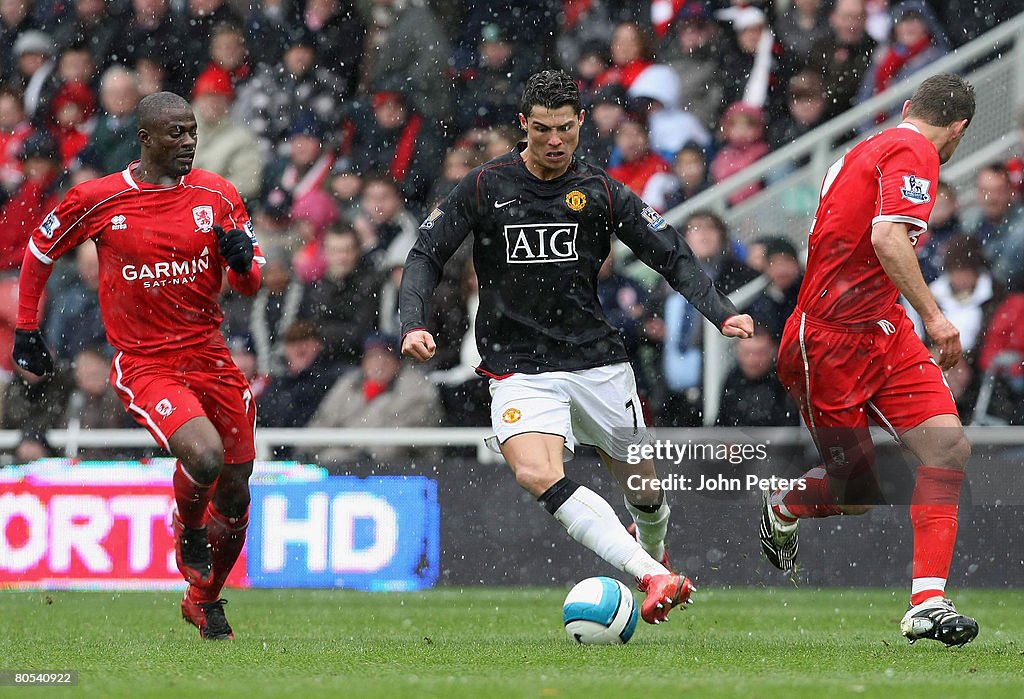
(559, 374)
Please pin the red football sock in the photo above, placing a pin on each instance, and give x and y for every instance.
(191, 498)
(227, 537)
(933, 512)
(816, 500)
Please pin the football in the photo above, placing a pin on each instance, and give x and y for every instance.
(600, 611)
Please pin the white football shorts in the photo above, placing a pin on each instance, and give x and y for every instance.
(596, 407)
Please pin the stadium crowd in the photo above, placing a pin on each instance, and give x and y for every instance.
(343, 123)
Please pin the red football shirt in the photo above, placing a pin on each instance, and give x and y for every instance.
(891, 176)
(160, 267)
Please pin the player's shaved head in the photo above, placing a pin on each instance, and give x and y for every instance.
(152, 107)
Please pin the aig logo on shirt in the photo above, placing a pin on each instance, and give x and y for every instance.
(537, 243)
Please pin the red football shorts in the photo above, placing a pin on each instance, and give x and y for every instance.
(164, 391)
(841, 376)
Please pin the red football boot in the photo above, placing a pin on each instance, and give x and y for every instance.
(663, 593)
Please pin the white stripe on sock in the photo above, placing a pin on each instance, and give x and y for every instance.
(922, 584)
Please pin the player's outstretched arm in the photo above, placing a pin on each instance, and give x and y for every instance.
(419, 344)
(891, 241)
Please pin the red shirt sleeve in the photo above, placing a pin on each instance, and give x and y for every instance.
(63, 229)
(238, 217)
(907, 179)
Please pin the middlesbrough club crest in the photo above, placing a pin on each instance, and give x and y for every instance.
(203, 216)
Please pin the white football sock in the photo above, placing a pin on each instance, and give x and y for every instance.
(651, 527)
(591, 521)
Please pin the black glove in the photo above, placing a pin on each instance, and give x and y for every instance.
(30, 352)
(236, 248)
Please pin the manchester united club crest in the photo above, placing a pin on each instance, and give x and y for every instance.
(511, 416)
(576, 200)
(203, 216)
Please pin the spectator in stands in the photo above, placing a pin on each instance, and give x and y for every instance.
(73, 320)
(584, 26)
(387, 230)
(151, 74)
(965, 292)
(244, 356)
(399, 142)
(690, 169)
(90, 25)
(639, 168)
(622, 299)
(114, 142)
(266, 29)
(488, 93)
(228, 56)
(682, 356)
(1002, 351)
(805, 22)
(755, 72)
(499, 141)
(275, 308)
(918, 40)
(631, 56)
(752, 395)
(14, 129)
(607, 111)
(37, 194)
(996, 220)
(343, 302)
(93, 405)
(33, 445)
(276, 94)
(778, 300)
(340, 35)
(655, 96)
(229, 149)
(805, 110)
(592, 62)
(293, 397)
(744, 144)
(410, 56)
(843, 58)
(307, 164)
(381, 393)
(35, 56)
(200, 18)
(15, 20)
(695, 57)
(153, 30)
(943, 225)
(35, 403)
(457, 164)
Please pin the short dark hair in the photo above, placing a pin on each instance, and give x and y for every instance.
(942, 99)
(552, 89)
(964, 252)
(708, 215)
(151, 108)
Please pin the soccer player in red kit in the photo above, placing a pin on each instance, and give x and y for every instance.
(164, 233)
(849, 352)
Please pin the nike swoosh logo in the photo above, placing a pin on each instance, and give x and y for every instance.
(503, 204)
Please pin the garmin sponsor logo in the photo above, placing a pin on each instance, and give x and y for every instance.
(537, 243)
(167, 273)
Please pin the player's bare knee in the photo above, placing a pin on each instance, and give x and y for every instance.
(205, 465)
(535, 478)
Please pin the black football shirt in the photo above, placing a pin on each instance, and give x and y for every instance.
(538, 246)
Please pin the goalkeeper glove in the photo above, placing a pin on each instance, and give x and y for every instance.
(30, 352)
(236, 248)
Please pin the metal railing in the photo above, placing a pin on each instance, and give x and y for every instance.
(787, 204)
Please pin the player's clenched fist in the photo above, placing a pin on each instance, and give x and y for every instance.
(236, 248)
(741, 326)
(419, 344)
(30, 352)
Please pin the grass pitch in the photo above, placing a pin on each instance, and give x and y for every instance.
(487, 642)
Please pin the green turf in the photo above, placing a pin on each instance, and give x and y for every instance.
(486, 642)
